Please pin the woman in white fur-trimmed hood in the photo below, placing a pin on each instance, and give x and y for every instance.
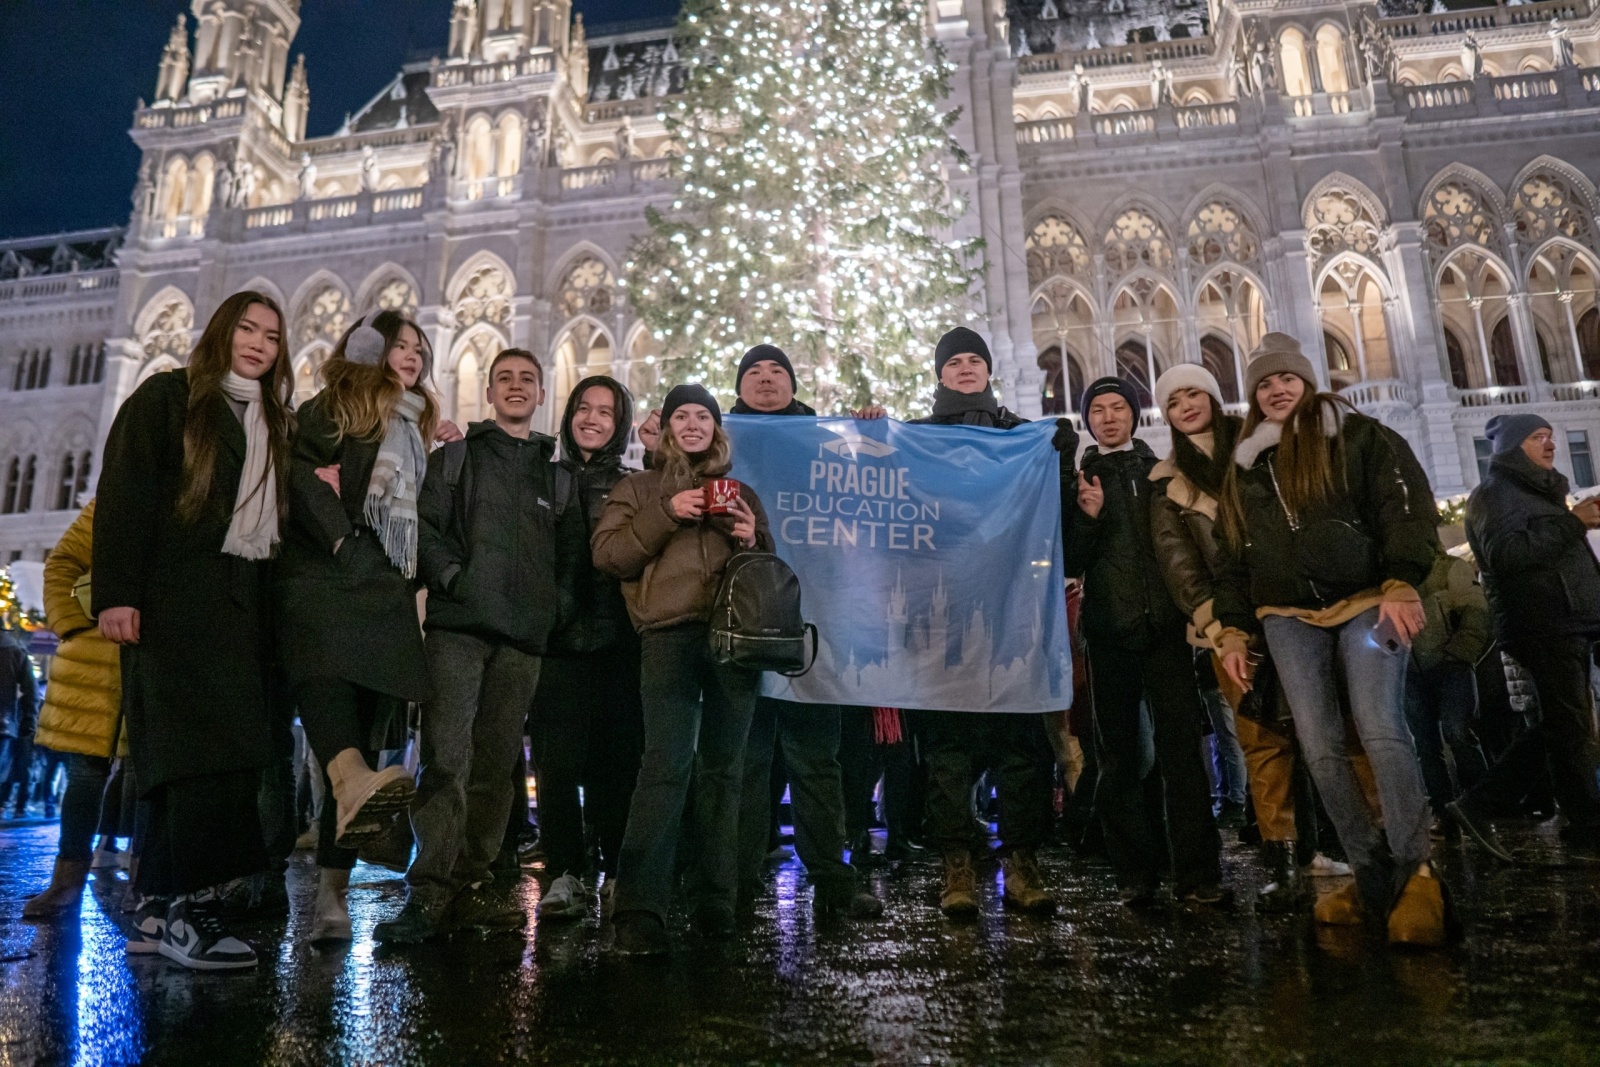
(1329, 526)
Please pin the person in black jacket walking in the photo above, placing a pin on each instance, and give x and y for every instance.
(806, 734)
(1329, 529)
(190, 502)
(486, 549)
(1543, 585)
(1138, 655)
(588, 724)
(963, 745)
(348, 631)
(19, 715)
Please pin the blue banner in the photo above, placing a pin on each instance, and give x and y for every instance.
(929, 558)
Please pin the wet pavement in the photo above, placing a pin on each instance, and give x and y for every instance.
(1097, 984)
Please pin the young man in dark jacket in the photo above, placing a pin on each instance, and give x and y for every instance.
(486, 550)
(1138, 654)
(1543, 585)
(588, 726)
(963, 745)
(807, 734)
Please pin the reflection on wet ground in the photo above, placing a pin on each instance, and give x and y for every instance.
(1097, 984)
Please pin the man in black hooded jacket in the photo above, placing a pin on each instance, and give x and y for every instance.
(1138, 655)
(588, 724)
(806, 734)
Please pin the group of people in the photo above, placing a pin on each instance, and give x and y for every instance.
(245, 565)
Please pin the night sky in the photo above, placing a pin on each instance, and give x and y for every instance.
(71, 72)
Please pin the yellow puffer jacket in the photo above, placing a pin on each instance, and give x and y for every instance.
(85, 687)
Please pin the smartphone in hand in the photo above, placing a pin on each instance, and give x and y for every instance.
(1388, 638)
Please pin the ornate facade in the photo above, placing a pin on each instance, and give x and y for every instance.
(1409, 192)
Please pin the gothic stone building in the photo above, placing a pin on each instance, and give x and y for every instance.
(1409, 190)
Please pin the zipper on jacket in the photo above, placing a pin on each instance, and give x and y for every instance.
(1294, 524)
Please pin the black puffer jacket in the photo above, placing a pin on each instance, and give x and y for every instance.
(1124, 597)
(1379, 525)
(1540, 576)
(591, 614)
(486, 546)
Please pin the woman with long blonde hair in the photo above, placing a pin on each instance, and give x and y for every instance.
(656, 536)
(188, 516)
(352, 646)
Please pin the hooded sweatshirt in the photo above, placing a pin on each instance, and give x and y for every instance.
(591, 614)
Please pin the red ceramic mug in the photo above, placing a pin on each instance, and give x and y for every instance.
(720, 495)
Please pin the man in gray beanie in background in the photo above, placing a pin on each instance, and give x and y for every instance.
(1543, 584)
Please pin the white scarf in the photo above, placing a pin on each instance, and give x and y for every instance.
(254, 528)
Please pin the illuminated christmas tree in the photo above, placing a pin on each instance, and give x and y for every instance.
(814, 210)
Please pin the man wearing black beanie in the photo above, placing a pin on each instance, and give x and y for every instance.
(961, 745)
(807, 734)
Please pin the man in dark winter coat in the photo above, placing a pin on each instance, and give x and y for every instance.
(486, 549)
(806, 734)
(1138, 654)
(1543, 584)
(588, 724)
(1014, 749)
(18, 717)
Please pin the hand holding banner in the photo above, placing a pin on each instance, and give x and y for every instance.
(929, 557)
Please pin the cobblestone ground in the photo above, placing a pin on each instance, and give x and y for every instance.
(1097, 984)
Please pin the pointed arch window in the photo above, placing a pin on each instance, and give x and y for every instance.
(1054, 246)
(588, 287)
(1136, 238)
(1545, 205)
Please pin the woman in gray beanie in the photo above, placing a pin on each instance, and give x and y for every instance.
(1329, 527)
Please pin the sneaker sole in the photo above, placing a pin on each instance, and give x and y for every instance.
(143, 948)
(371, 820)
(193, 964)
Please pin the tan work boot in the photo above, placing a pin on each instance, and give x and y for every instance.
(1342, 907)
(64, 894)
(1418, 916)
(1024, 885)
(960, 897)
(331, 920)
(367, 800)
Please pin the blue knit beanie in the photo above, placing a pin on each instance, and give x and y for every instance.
(1509, 431)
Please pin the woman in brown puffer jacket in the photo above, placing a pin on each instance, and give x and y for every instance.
(81, 717)
(670, 555)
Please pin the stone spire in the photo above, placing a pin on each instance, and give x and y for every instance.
(174, 62)
(296, 102)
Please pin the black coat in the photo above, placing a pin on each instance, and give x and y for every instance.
(486, 545)
(1379, 525)
(19, 694)
(1540, 576)
(1124, 597)
(351, 616)
(195, 686)
(592, 614)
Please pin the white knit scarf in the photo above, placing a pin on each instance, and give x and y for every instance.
(253, 530)
(391, 507)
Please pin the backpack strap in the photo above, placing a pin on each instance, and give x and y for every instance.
(455, 458)
(563, 488)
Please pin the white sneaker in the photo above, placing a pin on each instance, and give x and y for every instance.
(147, 926)
(196, 938)
(106, 859)
(563, 900)
(1323, 867)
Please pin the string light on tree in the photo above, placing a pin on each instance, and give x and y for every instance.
(814, 210)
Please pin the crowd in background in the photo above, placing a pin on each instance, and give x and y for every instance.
(1269, 638)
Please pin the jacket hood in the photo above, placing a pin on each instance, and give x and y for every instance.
(618, 444)
(1270, 434)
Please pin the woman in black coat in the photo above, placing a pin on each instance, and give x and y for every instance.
(350, 639)
(190, 498)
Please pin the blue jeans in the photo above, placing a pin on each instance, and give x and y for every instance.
(1311, 660)
(1228, 756)
(695, 711)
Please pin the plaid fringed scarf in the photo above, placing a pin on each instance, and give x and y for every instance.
(391, 507)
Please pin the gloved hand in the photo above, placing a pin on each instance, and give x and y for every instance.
(1065, 440)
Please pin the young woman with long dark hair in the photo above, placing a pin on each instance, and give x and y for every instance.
(1330, 527)
(190, 501)
(656, 537)
(352, 645)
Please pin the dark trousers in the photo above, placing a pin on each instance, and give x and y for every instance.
(280, 819)
(471, 732)
(863, 761)
(696, 719)
(201, 832)
(19, 771)
(1559, 668)
(808, 735)
(588, 730)
(1145, 822)
(80, 805)
(1441, 706)
(1013, 750)
(338, 715)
